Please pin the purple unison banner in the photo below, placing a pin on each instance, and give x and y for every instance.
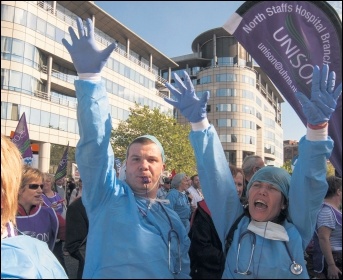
(62, 166)
(22, 140)
(286, 38)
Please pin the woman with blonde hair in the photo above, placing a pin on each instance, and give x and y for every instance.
(22, 256)
(33, 219)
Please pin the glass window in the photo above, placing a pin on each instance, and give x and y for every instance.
(121, 69)
(63, 123)
(7, 13)
(29, 54)
(54, 121)
(226, 92)
(27, 111)
(258, 101)
(50, 31)
(114, 113)
(35, 116)
(17, 50)
(109, 86)
(14, 112)
(59, 35)
(45, 118)
(141, 79)
(5, 75)
(115, 66)
(121, 91)
(248, 94)
(31, 21)
(20, 16)
(6, 47)
(109, 63)
(41, 26)
(4, 106)
(71, 125)
(27, 84)
(231, 156)
(120, 114)
(15, 80)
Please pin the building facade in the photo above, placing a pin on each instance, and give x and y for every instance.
(37, 74)
(244, 105)
(37, 77)
(290, 148)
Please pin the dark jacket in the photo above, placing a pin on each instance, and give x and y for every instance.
(76, 233)
(206, 253)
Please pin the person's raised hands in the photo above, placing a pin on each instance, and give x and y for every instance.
(324, 97)
(86, 56)
(190, 106)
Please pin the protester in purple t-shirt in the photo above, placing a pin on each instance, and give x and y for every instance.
(50, 198)
(33, 219)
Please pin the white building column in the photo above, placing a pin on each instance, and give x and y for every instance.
(128, 47)
(44, 157)
(215, 58)
(150, 62)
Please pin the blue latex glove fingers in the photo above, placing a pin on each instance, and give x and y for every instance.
(86, 56)
(186, 101)
(323, 96)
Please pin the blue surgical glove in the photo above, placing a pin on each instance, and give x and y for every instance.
(86, 56)
(190, 106)
(323, 96)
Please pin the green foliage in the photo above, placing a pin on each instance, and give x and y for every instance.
(173, 137)
(330, 169)
(287, 165)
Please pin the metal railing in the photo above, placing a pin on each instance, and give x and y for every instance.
(72, 21)
(55, 99)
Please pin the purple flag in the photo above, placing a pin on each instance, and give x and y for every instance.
(22, 140)
(62, 166)
(286, 38)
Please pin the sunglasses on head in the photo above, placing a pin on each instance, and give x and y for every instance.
(35, 186)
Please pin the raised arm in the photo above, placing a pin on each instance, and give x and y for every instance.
(216, 180)
(308, 184)
(94, 154)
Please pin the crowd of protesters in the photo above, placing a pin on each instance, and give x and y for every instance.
(249, 222)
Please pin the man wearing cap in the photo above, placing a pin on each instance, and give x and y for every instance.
(164, 189)
(131, 234)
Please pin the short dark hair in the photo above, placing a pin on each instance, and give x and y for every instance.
(335, 183)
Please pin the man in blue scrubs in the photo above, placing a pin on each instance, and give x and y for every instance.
(131, 235)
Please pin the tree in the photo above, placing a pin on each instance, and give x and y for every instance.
(173, 137)
(288, 167)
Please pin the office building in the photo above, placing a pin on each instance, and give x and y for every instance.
(290, 149)
(37, 77)
(244, 105)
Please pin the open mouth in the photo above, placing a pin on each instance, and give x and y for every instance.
(260, 204)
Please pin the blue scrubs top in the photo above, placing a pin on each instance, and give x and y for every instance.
(308, 187)
(25, 257)
(180, 204)
(122, 242)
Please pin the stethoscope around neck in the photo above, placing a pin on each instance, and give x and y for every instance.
(295, 268)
